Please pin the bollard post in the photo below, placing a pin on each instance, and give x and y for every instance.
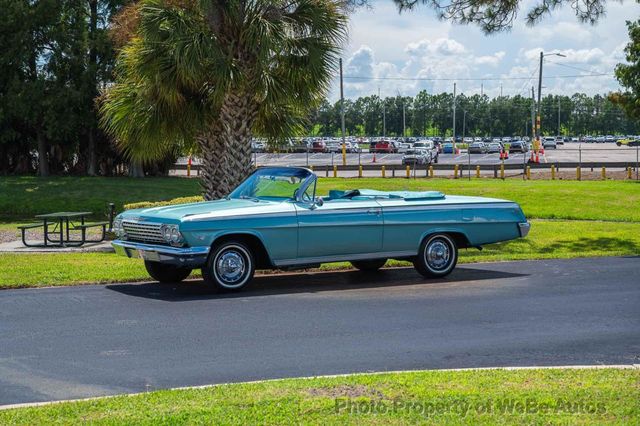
(578, 173)
(553, 172)
(477, 171)
(431, 171)
(383, 171)
(360, 171)
(408, 172)
(455, 171)
(502, 170)
(112, 215)
(528, 172)
(335, 171)
(604, 173)
(628, 172)
(326, 171)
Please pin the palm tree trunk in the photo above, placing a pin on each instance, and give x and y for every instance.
(226, 147)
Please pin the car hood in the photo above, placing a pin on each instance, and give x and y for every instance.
(206, 209)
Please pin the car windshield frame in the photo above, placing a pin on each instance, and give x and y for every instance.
(270, 184)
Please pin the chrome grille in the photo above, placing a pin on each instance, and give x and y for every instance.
(143, 232)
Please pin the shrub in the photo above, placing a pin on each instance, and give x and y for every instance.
(147, 204)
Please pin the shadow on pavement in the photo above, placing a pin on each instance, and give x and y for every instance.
(292, 283)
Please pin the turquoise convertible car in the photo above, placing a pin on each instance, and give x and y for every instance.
(274, 220)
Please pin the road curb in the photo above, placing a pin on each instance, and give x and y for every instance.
(329, 376)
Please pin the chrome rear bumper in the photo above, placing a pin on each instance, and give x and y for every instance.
(524, 228)
(179, 256)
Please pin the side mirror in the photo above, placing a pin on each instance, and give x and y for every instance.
(317, 201)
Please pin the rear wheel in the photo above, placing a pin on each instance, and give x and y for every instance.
(230, 267)
(166, 273)
(368, 265)
(437, 257)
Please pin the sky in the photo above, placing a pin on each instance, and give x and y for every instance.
(384, 43)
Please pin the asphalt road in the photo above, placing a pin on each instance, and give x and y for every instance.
(61, 343)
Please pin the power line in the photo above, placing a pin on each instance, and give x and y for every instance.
(353, 77)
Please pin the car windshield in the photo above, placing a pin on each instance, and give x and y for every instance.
(272, 183)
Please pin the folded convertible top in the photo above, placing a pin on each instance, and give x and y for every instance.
(406, 195)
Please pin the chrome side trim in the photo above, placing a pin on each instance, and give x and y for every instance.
(344, 258)
(524, 228)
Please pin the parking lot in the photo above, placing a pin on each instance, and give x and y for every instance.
(570, 152)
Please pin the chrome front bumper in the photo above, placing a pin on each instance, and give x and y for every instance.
(180, 256)
(524, 228)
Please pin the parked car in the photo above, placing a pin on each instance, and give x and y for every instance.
(319, 146)
(447, 148)
(518, 146)
(477, 148)
(560, 140)
(258, 147)
(275, 220)
(548, 143)
(433, 149)
(386, 147)
(418, 156)
(628, 142)
(494, 147)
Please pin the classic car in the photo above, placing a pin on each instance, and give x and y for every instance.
(275, 220)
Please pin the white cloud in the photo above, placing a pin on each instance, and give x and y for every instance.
(413, 45)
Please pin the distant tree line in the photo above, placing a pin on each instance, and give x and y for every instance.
(432, 115)
(56, 56)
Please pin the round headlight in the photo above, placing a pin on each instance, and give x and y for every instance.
(166, 233)
(175, 235)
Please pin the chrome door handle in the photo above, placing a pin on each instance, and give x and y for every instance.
(374, 211)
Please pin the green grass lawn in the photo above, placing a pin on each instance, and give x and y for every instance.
(547, 239)
(487, 397)
(23, 197)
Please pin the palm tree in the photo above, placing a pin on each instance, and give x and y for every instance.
(216, 72)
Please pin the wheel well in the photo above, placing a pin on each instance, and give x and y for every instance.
(459, 238)
(260, 254)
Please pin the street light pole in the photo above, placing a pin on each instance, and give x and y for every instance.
(344, 147)
(454, 118)
(536, 145)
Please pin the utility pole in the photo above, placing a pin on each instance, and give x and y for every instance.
(464, 124)
(404, 123)
(344, 147)
(533, 114)
(454, 118)
(536, 144)
(558, 115)
(482, 88)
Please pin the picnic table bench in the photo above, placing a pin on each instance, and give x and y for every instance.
(62, 223)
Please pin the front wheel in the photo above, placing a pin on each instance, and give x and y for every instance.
(230, 267)
(437, 257)
(164, 273)
(368, 265)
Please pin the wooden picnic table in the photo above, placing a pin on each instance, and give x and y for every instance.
(63, 223)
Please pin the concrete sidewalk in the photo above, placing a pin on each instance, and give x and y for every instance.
(18, 247)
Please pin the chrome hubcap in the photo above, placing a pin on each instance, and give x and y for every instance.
(230, 266)
(438, 255)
